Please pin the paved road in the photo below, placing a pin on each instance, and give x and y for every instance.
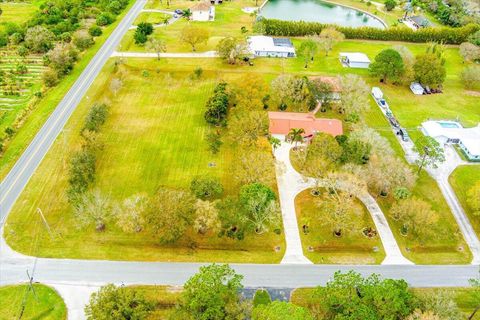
(16, 180)
(92, 273)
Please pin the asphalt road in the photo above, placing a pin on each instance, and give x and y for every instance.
(90, 272)
(84, 272)
(12, 186)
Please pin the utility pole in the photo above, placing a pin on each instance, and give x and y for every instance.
(25, 296)
(45, 222)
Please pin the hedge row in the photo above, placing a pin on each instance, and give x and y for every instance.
(301, 28)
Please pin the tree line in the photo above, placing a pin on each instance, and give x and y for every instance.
(214, 293)
(445, 35)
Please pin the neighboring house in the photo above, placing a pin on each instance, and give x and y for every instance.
(283, 122)
(468, 139)
(203, 11)
(334, 83)
(354, 60)
(263, 46)
(419, 21)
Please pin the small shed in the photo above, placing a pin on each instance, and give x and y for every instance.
(355, 60)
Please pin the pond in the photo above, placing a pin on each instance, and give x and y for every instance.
(318, 11)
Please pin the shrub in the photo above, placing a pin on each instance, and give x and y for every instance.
(261, 297)
(471, 77)
(105, 18)
(446, 35)
(475, 38)
(140, 37)
(50, 78)
(390, 5)
(205, 187)
(95, 31)
(96, 117)
(81, 174)
(83, 40)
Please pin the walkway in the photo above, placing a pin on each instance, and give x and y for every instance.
(206, 54)
(290, 183)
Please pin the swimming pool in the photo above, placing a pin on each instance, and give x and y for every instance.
(449, 124)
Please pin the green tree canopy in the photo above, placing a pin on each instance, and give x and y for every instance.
(350, 296)
(212, 294)
(206, 187)
(430, 151)
(258, 203)
(118, 303)
(429, 69)
(388, 64)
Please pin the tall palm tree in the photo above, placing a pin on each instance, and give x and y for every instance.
(296, 135)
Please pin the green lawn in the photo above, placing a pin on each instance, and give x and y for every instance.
(461, 180)
(447, 245)
(154, 137)
(139, 140)
(152, 17)
(41, 110)
(321, 246)
(461, 296)
(229, 18)
(46, 304)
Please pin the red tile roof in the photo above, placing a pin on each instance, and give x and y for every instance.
(283, 122)
(201, 6)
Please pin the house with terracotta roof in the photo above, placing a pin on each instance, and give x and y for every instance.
(203, 11)
(282, 122)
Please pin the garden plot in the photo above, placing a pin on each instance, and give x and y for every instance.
(20, 80)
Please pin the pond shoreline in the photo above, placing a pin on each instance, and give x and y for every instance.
(341, 5)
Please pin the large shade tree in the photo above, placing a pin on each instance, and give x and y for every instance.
(212, 294)
(388, 64)
(351, 296)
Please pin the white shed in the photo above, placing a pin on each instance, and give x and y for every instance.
(355, 60)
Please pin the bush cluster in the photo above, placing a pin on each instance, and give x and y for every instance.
(82, 165)
(446, 35)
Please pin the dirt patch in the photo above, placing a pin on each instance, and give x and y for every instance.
(473, 93)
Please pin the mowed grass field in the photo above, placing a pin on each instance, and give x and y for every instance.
(47, 188)
(229, 19)
(154, 137)
(44, 304)
(38, 116)
(461, 180)
(321, 246)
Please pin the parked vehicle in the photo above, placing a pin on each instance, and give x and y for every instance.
(179, 12)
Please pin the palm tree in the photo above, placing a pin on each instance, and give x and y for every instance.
(187, 14)
(275, 142)
(296, 135)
